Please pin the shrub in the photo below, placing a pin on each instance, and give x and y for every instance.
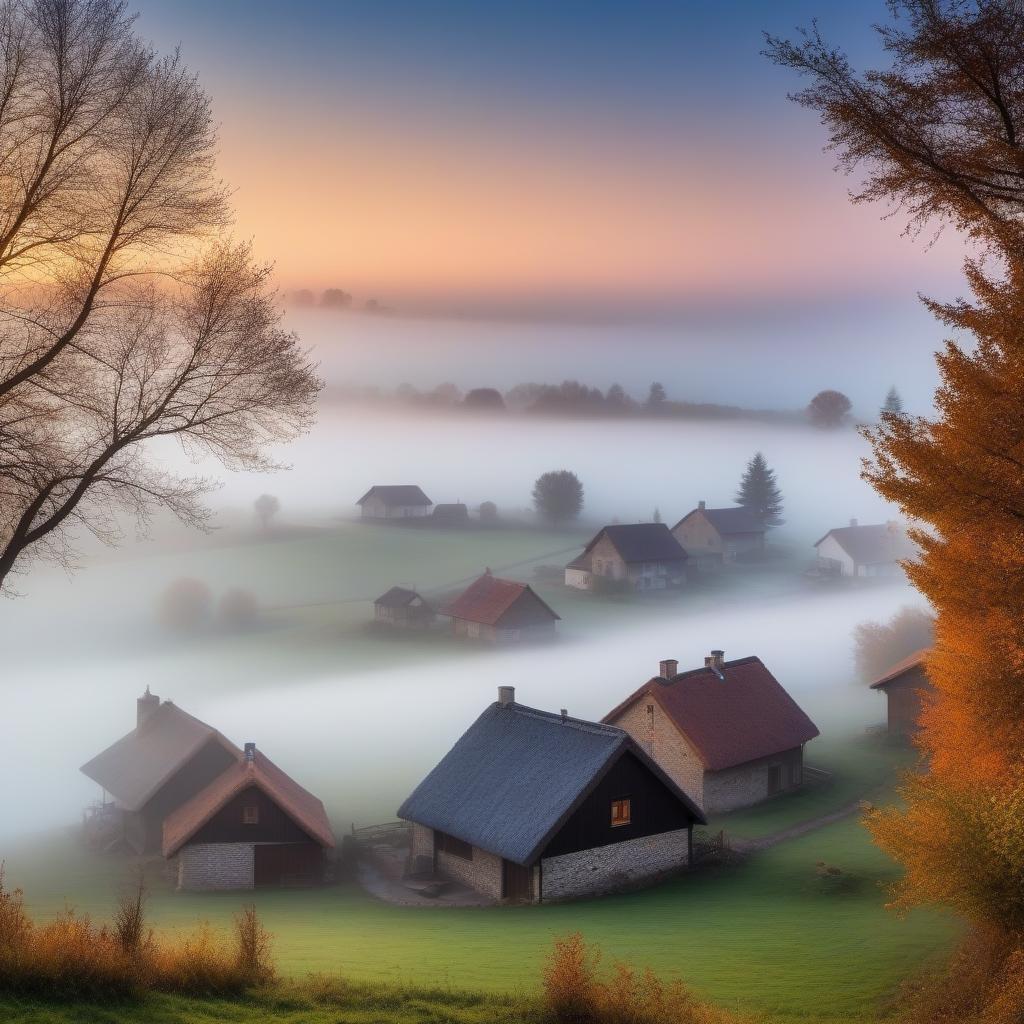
(254, 948)
(570, 979)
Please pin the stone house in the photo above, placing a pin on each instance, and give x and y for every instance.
(394, 501)
(873, 550)
(643, 556)
(253, 825)
(530, 806)
(404, 608)
(905, 686)
(151, 771)
(727, 734)
(712, 536)
(500, 611)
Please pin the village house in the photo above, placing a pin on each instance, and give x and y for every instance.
(874, 550)
(253, 825)
(404, 608)
(151, 771)
(532, 806)
(905, 686)
(728, 734)
(643, 556)
(501, 611)
(450, 514)
(712, 536)
(394, 501)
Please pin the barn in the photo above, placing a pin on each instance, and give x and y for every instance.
(728, 734)
(530, 806)
(905, 686)
(149, 772)
(252, 826)
(501, 611)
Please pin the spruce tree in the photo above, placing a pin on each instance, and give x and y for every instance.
(893, 402)
(759, 493)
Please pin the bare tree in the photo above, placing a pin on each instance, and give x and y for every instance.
(126, 314)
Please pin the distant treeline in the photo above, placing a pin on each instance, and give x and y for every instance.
(568, 399)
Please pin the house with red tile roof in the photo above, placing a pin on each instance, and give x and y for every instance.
(905, 686)
(728, 734)
(501, 611)
(253, 825)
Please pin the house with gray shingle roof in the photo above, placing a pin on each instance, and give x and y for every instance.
(711, 536)
(643, 556)
(872, 550)
(533, 806)
(401, 606)
(394, 501)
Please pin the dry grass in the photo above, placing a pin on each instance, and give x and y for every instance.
(576, 993)
(70, 957)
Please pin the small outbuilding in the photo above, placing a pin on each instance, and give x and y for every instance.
(728, 734)
(530, 806)
(872, 550)
(450, 514)
(711, 536)
(151, 771)
(905, 686)
(253, 825)
(394, 501)
(501, 611)
(404, 608)
(642, 556)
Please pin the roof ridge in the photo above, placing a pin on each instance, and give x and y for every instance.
(582, 724)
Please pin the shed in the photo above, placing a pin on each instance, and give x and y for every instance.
(905, 686)
(532, 806)
(403, 607)
(253, 825)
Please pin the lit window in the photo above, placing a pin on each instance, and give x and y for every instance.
(620, 812)
(250, 814)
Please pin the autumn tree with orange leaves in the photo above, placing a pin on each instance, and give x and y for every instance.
(939, 135)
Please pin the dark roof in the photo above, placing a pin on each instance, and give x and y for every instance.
(396, 494)
(488, 598)
(455, 510)
(397, 597)
(911, 661)
(139, 763)
(516, 775)
(299, 804)
(727, 520)
(641, 542)
(874, 544)
(732, 718)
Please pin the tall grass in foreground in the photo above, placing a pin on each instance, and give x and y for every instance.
(576, 993)
(73, 958)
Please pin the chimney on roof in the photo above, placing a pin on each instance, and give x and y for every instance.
(716, 662)
(702, 505)
(145, 706)
(565, 714)
(506, 696)
(487, 571)
(853, 522)
(668, 669)
(250, 752)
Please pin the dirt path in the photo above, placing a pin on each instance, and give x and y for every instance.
(799, 829)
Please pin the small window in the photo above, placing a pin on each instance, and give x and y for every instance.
(250, 814)
(620, 812)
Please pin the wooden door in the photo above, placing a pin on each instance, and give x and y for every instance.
(516, 882)
(287, 864)
(774, 779)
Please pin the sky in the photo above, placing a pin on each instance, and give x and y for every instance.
(577, 156)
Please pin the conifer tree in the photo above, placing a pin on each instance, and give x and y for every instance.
(759, 493)
(893, 402)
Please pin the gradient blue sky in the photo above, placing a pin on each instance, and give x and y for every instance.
(569, 154)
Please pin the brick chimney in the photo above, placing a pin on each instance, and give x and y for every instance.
(702, 505)
(668, 668)
(716, 662)
(506, 696)
(145, 706)
(250, 753)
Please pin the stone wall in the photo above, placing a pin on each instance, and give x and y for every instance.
(615, 866)
(206, 866)
(482, 873)
(747, 784)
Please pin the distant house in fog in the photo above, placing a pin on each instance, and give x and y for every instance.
(500, 611)
(874, 550)
(905, 686)
(151, 771)
(711, 536)
(253, 825)
(644, 556)
(403, 607)
(453, 514)
(394, 501)
(727, 734)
